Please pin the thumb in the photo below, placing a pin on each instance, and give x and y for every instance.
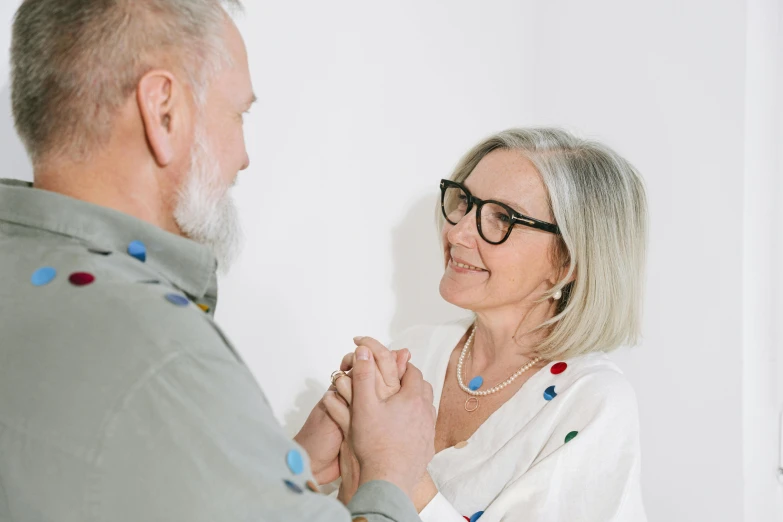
(363, 379)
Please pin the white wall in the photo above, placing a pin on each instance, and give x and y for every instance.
(663, 82)
(763, 257)
(365, 106)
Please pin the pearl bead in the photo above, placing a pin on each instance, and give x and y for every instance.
(466, 351)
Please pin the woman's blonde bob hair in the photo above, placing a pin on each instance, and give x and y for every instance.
(598, 200)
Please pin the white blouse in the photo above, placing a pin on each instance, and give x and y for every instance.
(565, 447)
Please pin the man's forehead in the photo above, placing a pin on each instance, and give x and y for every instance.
(235, 45)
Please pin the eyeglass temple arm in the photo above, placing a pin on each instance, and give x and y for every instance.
(543, 225)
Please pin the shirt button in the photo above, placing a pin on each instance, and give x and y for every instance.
(138, 250)
(43, 276)
(295, 462)
(360, 519)
(293, 487)
(461, 445)
(177, 300)
(81, 279)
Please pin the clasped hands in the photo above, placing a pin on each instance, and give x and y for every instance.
(376, 423)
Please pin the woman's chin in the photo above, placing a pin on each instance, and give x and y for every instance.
(454, 295)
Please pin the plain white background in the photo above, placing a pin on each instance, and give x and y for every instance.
(365, 106)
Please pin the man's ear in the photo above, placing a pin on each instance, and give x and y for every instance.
(159, 98)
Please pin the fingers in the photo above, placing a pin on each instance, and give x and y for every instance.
(413, 378)
(363, 377)
(413, 383)
(347, 362)
(402, 356)
(337, 410)
(343, 387)
(384, 359)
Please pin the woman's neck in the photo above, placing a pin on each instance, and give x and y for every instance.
(507, 338)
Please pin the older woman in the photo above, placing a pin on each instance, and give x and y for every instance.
(544, 241)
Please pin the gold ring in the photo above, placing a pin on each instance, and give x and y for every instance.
(336, 375)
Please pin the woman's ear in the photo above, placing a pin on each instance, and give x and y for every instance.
(570, 278)
(160, 106)
(561, 262)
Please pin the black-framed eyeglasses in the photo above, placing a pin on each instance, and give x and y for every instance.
(494, 219)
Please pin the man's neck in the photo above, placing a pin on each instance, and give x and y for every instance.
(111, 188)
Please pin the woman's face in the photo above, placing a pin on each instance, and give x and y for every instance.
(515, 272)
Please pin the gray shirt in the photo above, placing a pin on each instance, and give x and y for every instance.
(120, 398)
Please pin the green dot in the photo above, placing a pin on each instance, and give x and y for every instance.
(570, 436)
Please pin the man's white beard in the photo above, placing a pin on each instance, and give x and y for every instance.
(205, 211)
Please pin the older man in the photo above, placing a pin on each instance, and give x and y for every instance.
(120, 398)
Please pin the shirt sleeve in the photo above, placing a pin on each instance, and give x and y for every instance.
(440, 510)
(195, 440)
(589, 470)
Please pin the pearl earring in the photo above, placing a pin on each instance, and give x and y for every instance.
(557, 295)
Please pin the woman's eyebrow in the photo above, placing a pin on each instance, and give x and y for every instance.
(515, 206)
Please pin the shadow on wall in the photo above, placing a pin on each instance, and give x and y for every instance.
(14, 157)
(305, 401)
(418, 268)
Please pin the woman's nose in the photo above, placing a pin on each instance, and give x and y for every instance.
(464, 232)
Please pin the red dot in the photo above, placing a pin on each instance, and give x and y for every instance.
(559, 368)
(81, 279)
(466, 518)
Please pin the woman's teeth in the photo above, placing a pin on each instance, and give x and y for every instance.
(469, 267)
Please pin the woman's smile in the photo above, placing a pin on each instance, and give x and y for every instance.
(461, 267)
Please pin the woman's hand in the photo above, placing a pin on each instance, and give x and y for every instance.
(390, 366)
(349, 465)
(322, 437)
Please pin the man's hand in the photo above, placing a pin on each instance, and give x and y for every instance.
(321, 438)
(393, 438)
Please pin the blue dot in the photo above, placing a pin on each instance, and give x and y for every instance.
(43, 276)
(475, 516)
(295, 462)
(138, 250)
(293, 487)
(177, 300)
(476, 383)
(549, 393)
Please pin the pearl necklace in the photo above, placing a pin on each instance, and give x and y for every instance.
(474, 394)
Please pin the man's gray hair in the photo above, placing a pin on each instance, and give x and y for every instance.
(598, 200)
(74, 63)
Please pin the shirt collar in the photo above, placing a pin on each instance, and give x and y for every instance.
(185, 263)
